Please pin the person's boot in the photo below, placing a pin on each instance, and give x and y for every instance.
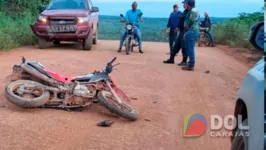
(171, 60)
(183, 63)
(119, 50)
(187, 68)
(140, 50)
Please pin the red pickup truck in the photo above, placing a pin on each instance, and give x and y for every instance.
(67, 20)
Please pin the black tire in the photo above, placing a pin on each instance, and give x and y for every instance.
(95, 39)
(207, 40)
(199, 42)
(87, 43)
(42, 43)
(114, 109)
(128, 45)
(240, 141)
(23, 102)
(56, 42)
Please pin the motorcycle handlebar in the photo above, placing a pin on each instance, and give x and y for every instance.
(113, 60)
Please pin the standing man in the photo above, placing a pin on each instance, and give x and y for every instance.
(179, 43)
(133, 15)
(173, 22)
(191, 34)
(207, 24)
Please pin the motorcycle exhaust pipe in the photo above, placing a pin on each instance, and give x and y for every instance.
(32, 71)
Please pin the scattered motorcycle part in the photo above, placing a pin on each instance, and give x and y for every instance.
(105, 123)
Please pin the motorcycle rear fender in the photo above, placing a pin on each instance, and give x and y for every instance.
(99, 77)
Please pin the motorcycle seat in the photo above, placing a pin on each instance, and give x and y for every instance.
(48, 73)
(39, 68)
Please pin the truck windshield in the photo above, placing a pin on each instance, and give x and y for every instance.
(68, 4)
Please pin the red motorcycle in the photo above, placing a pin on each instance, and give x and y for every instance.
(35, 86)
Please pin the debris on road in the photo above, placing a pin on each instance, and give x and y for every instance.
(147, 120)
(154, 102)
(134, 98)
(105, 123)
(2, 106)
(207, 72)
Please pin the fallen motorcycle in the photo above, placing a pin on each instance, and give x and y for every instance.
(33, 85)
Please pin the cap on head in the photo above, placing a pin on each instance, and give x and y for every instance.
(175, 6)
(190, 3)
(134, 3)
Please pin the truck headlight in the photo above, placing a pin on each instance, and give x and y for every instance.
(43, 19)
(83, 19)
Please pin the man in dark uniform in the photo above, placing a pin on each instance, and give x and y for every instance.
(173, 23)
(179, 43)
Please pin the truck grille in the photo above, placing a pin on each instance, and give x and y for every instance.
(62, 25)
(62, 21)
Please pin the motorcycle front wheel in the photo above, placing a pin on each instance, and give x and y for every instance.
(128, 45)
(25, 93)
(124, 110)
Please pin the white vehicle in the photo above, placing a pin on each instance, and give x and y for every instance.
(250, 105)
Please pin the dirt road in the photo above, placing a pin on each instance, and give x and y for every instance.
(165, 95)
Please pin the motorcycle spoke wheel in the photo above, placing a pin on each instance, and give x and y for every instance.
(27, 91)
(123, 106)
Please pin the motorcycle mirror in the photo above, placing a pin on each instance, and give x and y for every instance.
(121, 15)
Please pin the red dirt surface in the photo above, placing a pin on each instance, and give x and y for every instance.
(165, 95)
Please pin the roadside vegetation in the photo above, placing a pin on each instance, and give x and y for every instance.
(17, 15)
(15, 19)
(235, 32)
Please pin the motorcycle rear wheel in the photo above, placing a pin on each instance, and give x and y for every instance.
(16, 95)
(207, 40)
(127, 111)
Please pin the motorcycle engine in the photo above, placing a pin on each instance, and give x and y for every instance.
(84, 91)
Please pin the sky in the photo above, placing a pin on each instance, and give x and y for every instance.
(162, 8)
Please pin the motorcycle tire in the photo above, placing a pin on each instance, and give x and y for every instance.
(133, 115)
(199, 42)
(24, 102)
(207, 40)
(128, 46)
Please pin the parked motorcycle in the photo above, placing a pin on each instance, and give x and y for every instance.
(33, 85)
(131, 40)
(204, 37)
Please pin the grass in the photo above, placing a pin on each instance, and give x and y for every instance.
(235, 32)
(15, 33)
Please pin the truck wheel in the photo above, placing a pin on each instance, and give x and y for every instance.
(240, 141)
(95, 39)
(87, 44)
(42, 43)
(56, 42)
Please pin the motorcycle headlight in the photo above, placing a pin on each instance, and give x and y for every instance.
(83, 19)
(43, 19)
(129, 27)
